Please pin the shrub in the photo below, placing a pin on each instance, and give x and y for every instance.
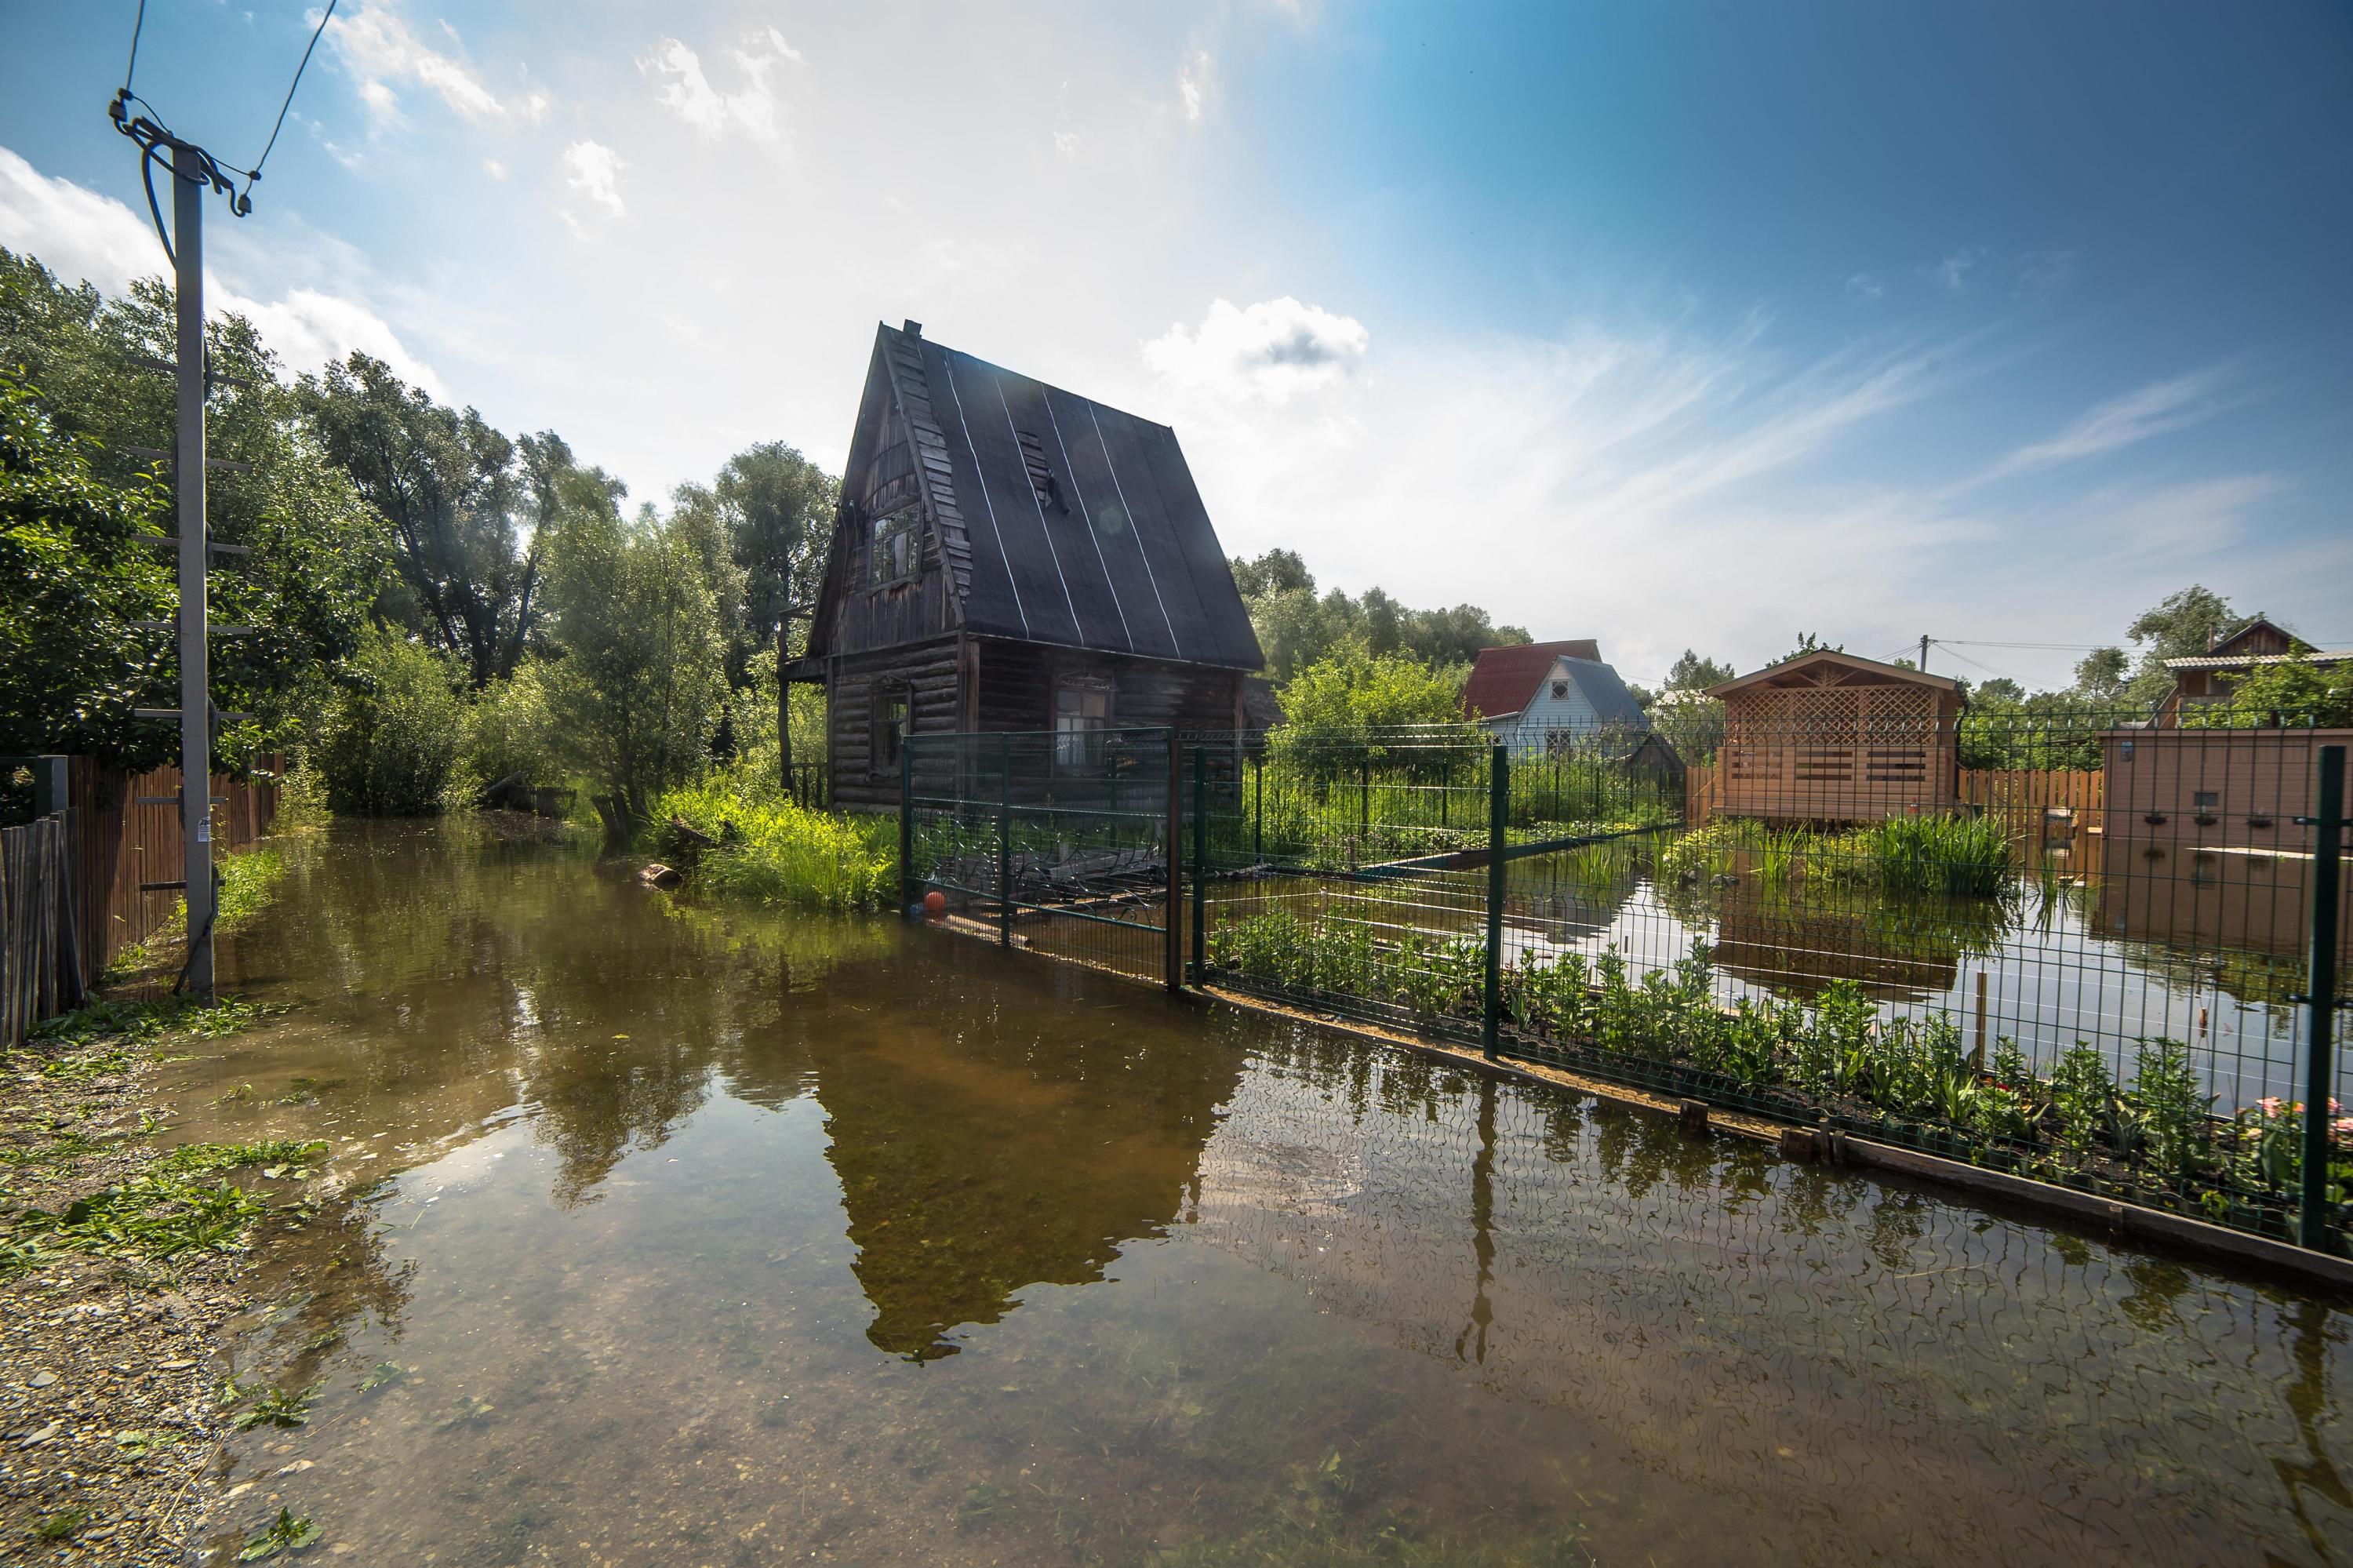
(771, 851)
(392, 740)
(509, 734)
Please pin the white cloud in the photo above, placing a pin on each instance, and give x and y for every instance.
(686, 91)
(1267, 353)
(376, 45)
(595, 171)
(83, 237)
(1193, 82)
(1866, 285)
(2152, 410)
(535, 107)
(493, 168)
(1954, 271)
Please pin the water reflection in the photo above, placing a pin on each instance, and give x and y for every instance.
(675, 1212)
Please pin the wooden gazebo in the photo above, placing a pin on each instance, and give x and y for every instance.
(1829, 738)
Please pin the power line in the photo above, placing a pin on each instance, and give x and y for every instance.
(290, 86)
(132, 67)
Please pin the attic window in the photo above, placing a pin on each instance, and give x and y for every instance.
(1041, 478)
(1561, 688)
(893, 554)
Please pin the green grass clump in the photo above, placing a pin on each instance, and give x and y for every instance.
(1957, 856)
(772, 849)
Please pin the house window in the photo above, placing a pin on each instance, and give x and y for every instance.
(1082, 714)
(887, 735)
(893, 556)
(1561, 688)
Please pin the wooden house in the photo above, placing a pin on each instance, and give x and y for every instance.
(1010, 557)
(1830, 737)
(2207, 677)
(1539, 696)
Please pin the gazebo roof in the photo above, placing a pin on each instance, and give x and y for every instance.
(1825, 668)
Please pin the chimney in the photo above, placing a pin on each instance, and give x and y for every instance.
(912, 327)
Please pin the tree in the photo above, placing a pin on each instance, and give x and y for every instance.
(318, 550)
(1689, 673)
(465, 506)
(1297, 627)
(2181, 626)
(2290, 693)
(390, 744)
(640, 678)
(2000, 689)
(1809, 643)
(2100, 674)
(75, 571)
(1276, 571)
(1351, 694)
(774, 508)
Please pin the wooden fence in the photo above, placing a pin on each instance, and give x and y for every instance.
(129, 825)
(2034, 804)
(41, 970)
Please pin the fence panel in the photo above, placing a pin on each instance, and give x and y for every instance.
(40, 955)
(126, 844)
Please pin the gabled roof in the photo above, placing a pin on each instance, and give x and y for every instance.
(1827, 663)
(1612, 703)
(1504, 680)
(1061, 520)
(2255, 661)
(2260, 629)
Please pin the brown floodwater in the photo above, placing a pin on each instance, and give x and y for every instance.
(683, 1234)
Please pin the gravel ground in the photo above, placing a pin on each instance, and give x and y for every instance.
(108, 1364)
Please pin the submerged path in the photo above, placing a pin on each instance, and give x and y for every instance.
(708, 1236)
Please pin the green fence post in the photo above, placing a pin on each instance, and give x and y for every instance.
(906, 823)
(1499, 813)
(1200, 863)
(1258, 810)
(1172, 931)
(1004, 841)
(2320, 996)
(1365, 794)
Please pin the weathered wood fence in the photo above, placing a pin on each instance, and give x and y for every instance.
(76, 886)
(41, 970)
(2024, 797)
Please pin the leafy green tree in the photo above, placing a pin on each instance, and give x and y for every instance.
(2295, 694)
(1810, 643)
(2000, 689)
(1353, 692)
(318, 550)
(1689, 673)
(640, 680)
(391, 742)
(510, 733)
(465, 506)
(1276, 571)
(772, 509)
(75, 571)
(2100, 674)
(1297, 627)
(2181, 626)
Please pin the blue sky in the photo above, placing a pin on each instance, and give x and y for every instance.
(1671, 324)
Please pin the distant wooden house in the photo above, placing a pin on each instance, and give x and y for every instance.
(1830, 737)
(1008, 556)
(1539, 696)
(2202, 678)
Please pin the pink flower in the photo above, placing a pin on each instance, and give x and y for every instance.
(2269, 1107)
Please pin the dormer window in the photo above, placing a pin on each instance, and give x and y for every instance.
(1041, 477)
(895, 548)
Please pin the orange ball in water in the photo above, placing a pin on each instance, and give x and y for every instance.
(935, 903)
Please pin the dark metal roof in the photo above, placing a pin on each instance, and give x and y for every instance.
(1612, 702)
(1082, 524)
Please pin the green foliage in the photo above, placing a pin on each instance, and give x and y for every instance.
(391, 741)
(1956, 856)
(318, 550)
(286, 1535)
(1298, 628)
(771, 851)
(509, 731)
(638, 688)
(764, 524)
(1351, 694)
(2320, 695)
(1689, 673)
(2182, 625)
(74, 572)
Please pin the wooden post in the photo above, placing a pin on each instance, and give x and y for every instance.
(2328, 824)
(1172, 933)
(906, 823)
(1977, 1056)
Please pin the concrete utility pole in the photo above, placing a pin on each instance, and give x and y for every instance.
(191, 183)
(1924, 653)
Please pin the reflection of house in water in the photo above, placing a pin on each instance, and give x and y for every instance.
(2234, 915)
(1565, 899)
(976, 1164)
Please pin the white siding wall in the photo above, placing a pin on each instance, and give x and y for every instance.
(1546, 713)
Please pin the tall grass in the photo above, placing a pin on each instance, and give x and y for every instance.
(1959, 856)
(772, 850)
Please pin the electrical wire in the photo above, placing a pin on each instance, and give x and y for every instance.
(130, 68)
(315, 34)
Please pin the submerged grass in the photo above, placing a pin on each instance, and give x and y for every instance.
(1956, 856)
(771, 850)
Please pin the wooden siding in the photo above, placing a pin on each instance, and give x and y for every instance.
(125, 844)
(930, 673)
(1017, 688)
(2254, 783)
(1855, 750)
(2025, 800)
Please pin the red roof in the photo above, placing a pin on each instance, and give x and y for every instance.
(1504, 679)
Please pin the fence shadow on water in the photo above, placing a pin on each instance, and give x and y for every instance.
(2081, 957)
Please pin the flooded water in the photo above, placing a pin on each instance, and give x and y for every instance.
(706, 1236)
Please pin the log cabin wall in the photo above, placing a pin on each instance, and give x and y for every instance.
(1017, 688)
(929, 674)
